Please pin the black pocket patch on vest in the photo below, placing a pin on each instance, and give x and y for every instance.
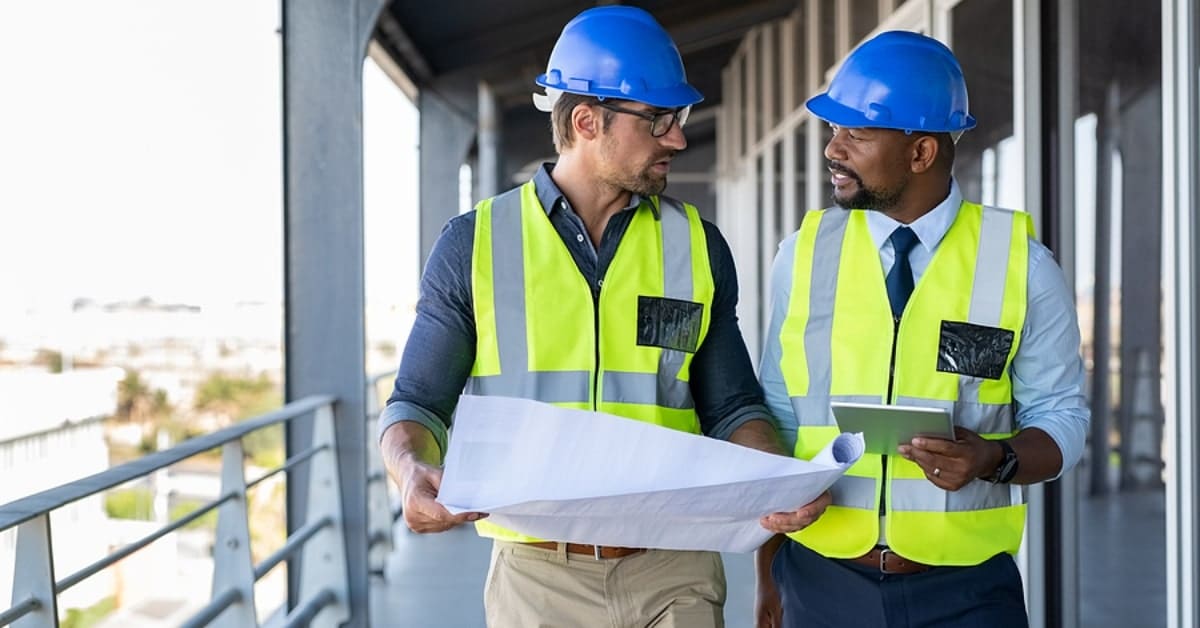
(669, 323)
(975, 350)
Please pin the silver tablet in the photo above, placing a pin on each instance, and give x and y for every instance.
(885, 427)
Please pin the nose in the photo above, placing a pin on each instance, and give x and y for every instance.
(674, 139)
(834, 149)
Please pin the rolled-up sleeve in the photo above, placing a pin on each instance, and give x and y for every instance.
(1047, 372)
(440, 350)
(723, 383)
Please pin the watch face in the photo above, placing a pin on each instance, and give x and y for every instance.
(1008, 468)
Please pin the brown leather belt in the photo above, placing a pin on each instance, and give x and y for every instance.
(595, 551)
(889, 562)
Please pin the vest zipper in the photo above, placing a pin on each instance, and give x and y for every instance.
(596, 345)
(891, 384)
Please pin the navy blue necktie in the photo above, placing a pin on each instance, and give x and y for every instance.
(900, 277)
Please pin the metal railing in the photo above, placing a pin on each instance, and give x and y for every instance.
(380, 515)
(319, 541)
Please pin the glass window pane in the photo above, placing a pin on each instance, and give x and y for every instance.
(1118, 246)
(987, 159)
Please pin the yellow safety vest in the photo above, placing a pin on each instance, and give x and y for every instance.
(837, 345)
(540, 334)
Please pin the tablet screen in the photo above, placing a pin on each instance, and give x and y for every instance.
(884, 427)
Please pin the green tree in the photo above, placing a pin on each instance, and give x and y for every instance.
(138, 402)
(239, 398)
(52, 360)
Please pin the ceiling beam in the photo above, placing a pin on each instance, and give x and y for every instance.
(529, 34)
(730, 23)
(390, 34)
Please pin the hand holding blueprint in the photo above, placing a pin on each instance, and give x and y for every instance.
(588, 477)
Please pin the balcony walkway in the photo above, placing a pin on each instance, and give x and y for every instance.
(436, 581)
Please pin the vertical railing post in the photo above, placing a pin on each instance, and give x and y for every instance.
(323, 563)
(35, 574)
(233, 566)
(379, 510)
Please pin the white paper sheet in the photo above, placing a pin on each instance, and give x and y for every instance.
(588, 477)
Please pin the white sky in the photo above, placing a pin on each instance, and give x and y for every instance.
(140, 155)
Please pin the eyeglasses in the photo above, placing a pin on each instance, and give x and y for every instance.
(660, 121)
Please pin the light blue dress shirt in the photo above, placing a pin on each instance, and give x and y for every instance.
(1047, 371)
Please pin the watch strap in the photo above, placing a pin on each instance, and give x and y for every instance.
(1007, 469)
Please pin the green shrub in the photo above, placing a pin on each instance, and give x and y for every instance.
(90, 616)
(130, 503)
(184, 508)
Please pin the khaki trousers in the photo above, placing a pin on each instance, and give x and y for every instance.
(530, 587)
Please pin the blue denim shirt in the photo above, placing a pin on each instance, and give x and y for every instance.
(441, 346)
(1047, 371)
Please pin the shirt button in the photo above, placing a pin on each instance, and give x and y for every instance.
(579, 237)
(600, 283)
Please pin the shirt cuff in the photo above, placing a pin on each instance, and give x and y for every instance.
(729, 424)
(398, 411)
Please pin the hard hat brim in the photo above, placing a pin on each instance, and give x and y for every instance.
(834, 112)
(667, 97)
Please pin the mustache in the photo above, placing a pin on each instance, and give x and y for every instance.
(838, 168)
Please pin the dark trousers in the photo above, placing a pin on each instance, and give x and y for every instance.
(819, 592)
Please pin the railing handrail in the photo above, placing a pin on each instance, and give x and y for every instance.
(17, 512)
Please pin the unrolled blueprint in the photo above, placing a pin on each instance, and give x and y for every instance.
(589, 477)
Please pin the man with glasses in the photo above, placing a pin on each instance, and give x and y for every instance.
(660, 121)
(587, 288)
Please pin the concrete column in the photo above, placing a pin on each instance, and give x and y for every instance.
(488, 143)
(446, 136)
(324, 45)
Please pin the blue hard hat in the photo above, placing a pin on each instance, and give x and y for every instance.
(897, 80)
(619, 52)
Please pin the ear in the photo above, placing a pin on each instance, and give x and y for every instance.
(585, 122)
(923, 154)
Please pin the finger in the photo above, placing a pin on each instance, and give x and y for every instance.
(947, 479)
(926, 460)
(423, 513)
(787, 522)
(936, 445)
(439, 521)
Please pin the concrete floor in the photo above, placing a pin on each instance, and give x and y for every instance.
(436, 581)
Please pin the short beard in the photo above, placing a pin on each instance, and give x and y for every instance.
(642, 183)
(873, 200)
(866, 198)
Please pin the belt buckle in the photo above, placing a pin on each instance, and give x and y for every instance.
(597, 550)
(883, 554)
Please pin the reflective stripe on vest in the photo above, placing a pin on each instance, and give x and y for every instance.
(536, 331)
(836, 342)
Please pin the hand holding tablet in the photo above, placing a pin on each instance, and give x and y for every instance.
(884, 427)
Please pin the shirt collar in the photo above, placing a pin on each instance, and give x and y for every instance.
(552, 198)
(929, 228)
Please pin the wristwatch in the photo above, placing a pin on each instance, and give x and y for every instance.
(1007, 469)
